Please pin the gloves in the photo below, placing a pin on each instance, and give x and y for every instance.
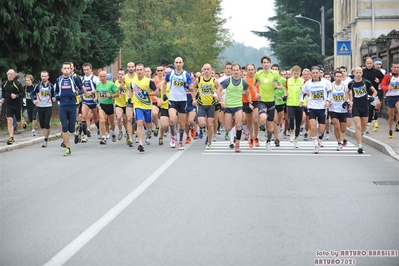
(164, 97)
(72, 95)
(370, 98)
(145, 93)
(57, 97)
(345, 105)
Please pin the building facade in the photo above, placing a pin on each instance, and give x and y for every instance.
(360, 21)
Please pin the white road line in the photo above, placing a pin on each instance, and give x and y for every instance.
(285, 154)
(79, 242)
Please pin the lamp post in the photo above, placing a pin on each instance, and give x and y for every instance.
(322, 31)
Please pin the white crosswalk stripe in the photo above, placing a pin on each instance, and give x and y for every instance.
(286, 148)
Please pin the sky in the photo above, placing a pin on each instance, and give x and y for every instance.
(242, 17)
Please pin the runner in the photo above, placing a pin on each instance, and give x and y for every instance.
(12, 93)
(269, 80)
(66, 88)
(142, 88)
(89, 82)
(179, 80)
(338, 109)
(295, 112)
(129, 106)
(390, 84)
(120, 103)
(359, 99)
(206, 85)
(105, 92)
(251, 115)
(30, 106)
(45, 97)
(235, 87)
(319, 92)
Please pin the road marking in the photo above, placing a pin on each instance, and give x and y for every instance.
(286, 149)
(79, 242)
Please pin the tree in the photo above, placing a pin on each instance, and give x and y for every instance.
(157, 32)
(38, 35)
(297, 41)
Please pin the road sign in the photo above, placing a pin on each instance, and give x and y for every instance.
(344, 48)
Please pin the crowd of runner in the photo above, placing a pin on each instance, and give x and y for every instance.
(249, 103)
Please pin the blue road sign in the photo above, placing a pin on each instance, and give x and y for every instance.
(344, 48)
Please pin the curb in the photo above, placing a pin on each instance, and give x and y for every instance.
(27, 143)
(382, 147)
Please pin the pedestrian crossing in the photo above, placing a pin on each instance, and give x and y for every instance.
(286, 149)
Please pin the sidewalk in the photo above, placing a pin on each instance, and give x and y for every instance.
(378, 140)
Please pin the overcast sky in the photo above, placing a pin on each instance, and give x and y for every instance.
(244, 16)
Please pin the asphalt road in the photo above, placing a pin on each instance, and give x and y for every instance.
(111, 205)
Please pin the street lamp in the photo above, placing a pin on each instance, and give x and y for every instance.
(322, 34)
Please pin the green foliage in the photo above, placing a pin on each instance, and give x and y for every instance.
(38, 35)
(243, 55)
(157, 32)
(298, 41)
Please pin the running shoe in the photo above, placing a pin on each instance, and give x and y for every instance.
(98, 134)
(231, 145)
(339, 147)
(320, 143)
(374, 126)
(33, 132)
(173, 142)
(201, 134)
(160, 141)
(268, 146)
(256, 141)
(108, 135)
(88, 133)
(397, 127)
(188, 140)
(156, 131)
(215, 138)
(360, 149)
(390, 134)
(103, 141)
(63, 144)
(277, 142)
(327, 136)
(76, 140)
(181, 146)
(219, 132)
(206, 140)
(226, 137)
(120, 135)
(292, 135)
(10, 141)
(140, 148)
(251, 143)
(85, 139)
(306, 136)
(316, 150)
(25, 125)
(246, 136)
(208, 146)
(147, 141)
(129, 143)
(193, 132)
(296, 144)
(237, 148)
(67, 152)
(148, 134)
(44, 145)
(301, 132)
(344, 142)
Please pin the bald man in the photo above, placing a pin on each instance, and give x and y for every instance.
(105, 92)
(180, 81)
(12, 93)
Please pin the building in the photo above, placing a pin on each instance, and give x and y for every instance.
(360, 21)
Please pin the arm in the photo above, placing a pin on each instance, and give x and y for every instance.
(154, 89)
(385, 83)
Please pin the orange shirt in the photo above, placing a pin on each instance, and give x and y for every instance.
(251, 89)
